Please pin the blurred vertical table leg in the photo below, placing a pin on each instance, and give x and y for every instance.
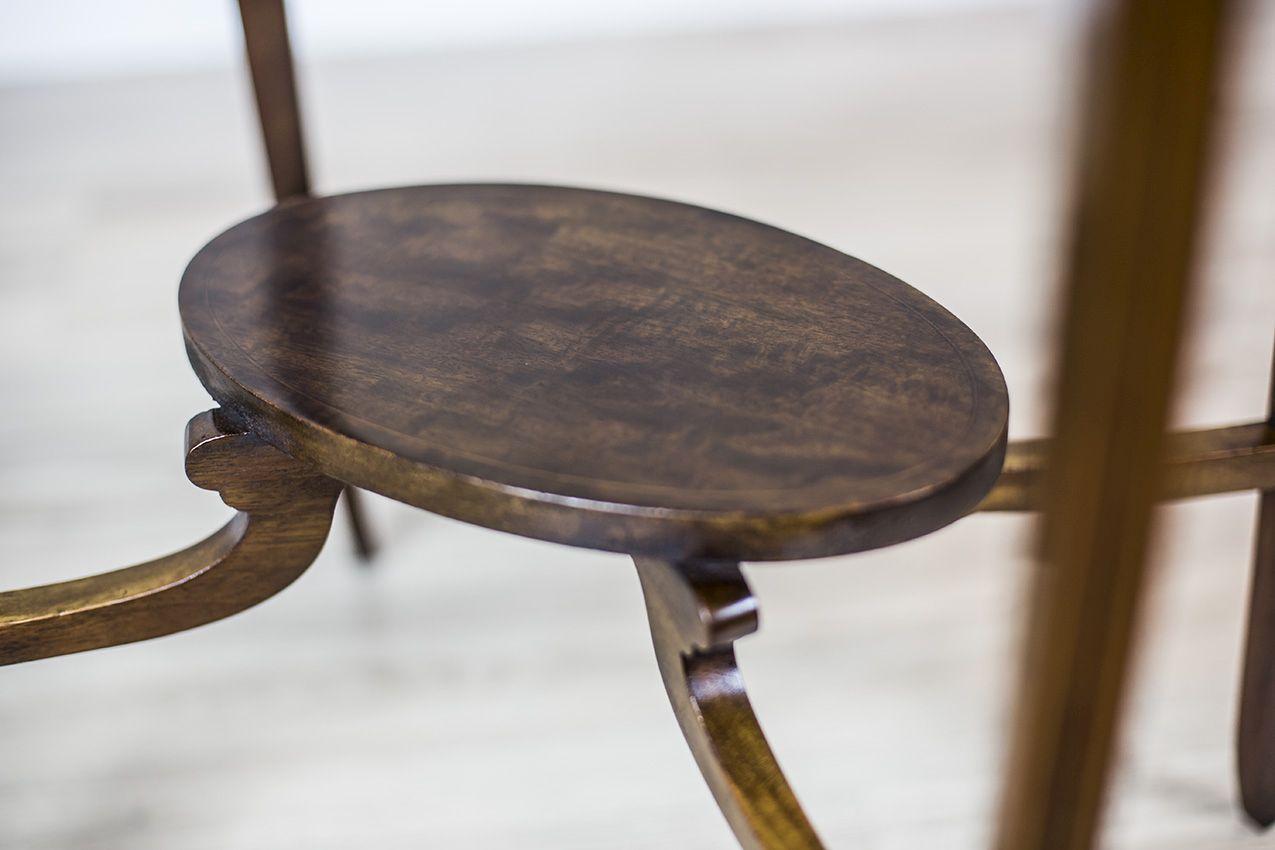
(1255, 742)
(1153, 74)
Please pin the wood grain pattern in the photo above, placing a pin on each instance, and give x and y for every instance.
(697, 610)
(598, 369)
(1153, 75)
(1255, 741)
(285, 510)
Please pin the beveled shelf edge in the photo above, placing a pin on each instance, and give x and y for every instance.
(620, 528)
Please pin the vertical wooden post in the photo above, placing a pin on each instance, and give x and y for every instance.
(265, 31)
(1153, 74)
(1255, 743)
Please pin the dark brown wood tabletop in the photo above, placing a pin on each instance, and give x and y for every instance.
(598, 369)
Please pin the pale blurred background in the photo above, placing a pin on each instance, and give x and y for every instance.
(478, 690)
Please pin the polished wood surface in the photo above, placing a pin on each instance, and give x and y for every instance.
(1255, 741)
(598, 369)
(284, 513)
(1204, 462)
(697, 610)
(1153, 74)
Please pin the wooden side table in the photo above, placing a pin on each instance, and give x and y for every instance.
(696, 390)
(601, 370)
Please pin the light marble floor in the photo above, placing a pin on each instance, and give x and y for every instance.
(479, 690)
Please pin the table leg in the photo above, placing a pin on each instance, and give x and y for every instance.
(1255, 744)
(360, 529)
(285, 510)
(697, 610)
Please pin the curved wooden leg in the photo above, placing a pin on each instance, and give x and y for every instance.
(285, 510)
(698, 609)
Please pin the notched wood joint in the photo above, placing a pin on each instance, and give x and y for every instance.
(708, 602)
